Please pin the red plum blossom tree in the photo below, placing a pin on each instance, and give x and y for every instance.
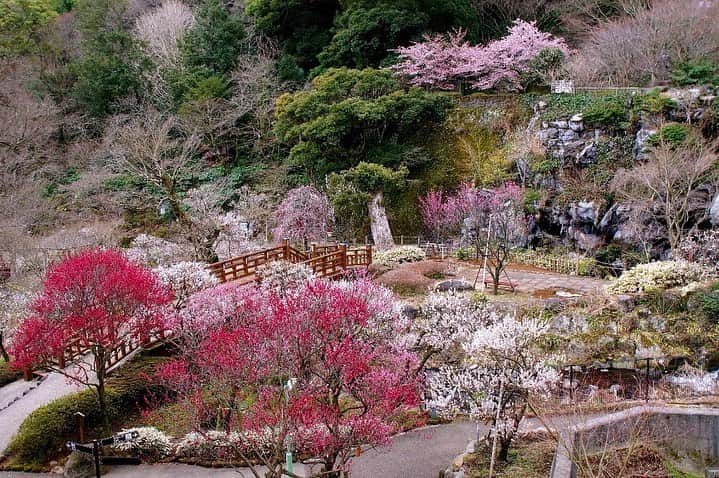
(96, 300)
(318, 367)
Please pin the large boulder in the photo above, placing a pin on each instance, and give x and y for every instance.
(79, 465)
(453, 284)
(714, 211)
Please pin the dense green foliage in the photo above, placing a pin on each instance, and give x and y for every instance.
(213, 43)
(20, 21)
(110, 69)
(701, 72)
(43, 433)
(353, 115)
(354, 33)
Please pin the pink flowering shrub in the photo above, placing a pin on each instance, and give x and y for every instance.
(442, 61)
(304, 215)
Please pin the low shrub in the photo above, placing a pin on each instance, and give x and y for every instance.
(710, 304)
(150, 445)
(699, 72)
(609, 111)
(399, 255)
(657, 276)
(464, 253)
(43, 433)
(672, 133)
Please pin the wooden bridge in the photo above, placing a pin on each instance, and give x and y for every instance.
(327, 261)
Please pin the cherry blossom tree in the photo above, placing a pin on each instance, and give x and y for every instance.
(318, 367)
(304, 215)
(442, 62)
(97, 300)
(491, 220)
(501, 370)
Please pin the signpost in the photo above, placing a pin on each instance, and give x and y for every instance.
(95, 449)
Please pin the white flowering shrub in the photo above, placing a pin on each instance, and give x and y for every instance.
(151, 444)
(217, 445)
(399, 255)
(658, 276)
(151, 251)
(185, 279)
(702, 248)
(13, 307)
(284, 275)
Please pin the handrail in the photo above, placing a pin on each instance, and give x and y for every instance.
(327, 260)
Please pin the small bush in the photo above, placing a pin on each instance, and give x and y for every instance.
(150, 445)
(283, 275)
(672, 133)
(464, 253)
(657, 276)
(609, 111)
(653, 102)
(710, 304)
(7, 373)
(700, 72)
(399, 255)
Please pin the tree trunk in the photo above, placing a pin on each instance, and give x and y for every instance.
(381, 233)
(495, 285)
(100, 370)
(503, 450)
(3, 351)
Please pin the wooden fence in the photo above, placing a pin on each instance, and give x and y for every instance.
(328, 260)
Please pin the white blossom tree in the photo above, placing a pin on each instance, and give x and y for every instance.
(13, 306)
(500, 371)
(185, 279)
(444, 321)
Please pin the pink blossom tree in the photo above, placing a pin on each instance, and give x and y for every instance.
(304, 215)
(441, 62)
(319, 367)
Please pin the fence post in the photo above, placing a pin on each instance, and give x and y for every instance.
(401, 240)
(368, 248)
(313, 249)
(61, 359)
(27, 374)
(343, 257)
(286, 249)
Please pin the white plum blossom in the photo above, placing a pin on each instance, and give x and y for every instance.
(500, 370)
(151, 251)
(658, 276)
(13, 307)
(399, 255)
(185, 279)
(447, 317)
(150, 443)
(284, 275)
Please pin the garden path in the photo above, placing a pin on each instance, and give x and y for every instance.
(532, 280)
(54, 386)
(418, 453)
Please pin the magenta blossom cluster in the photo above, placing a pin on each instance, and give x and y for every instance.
(441, 61)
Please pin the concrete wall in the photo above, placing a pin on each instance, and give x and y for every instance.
(689, 430)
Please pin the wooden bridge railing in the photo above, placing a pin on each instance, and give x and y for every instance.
(328, 260)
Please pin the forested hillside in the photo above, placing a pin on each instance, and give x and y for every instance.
(188, 122)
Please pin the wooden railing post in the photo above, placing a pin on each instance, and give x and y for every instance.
(285, 249)
(61, 360)
(313, 249)
(368, 247)
(27, 374)
(343, 256)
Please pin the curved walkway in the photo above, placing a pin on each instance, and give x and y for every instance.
(54, 386)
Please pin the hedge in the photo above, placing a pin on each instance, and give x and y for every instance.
(7, 373)
(44, 432)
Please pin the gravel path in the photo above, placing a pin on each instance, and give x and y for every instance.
(51, 388)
